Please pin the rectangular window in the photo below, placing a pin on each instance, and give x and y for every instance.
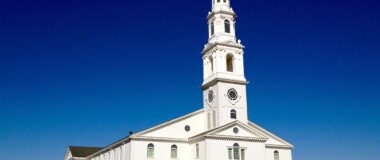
(173, 154)
(197, 150)
(150, 153)
(242, 152)
(230, 153)
(236, 154)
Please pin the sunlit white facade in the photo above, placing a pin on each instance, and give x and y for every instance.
(220, 130)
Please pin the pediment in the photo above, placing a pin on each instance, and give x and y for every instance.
(248, 131)
(227, 131)
(237, 129)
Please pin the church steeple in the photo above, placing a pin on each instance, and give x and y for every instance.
(221, 21)
(224, 85)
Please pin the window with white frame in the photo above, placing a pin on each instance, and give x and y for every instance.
(197, 150)
(233, 114)
(212, 28)
(227, 26)
(236, 152)
(150, 151)
(276, 155)
(173, 153)
(242, 154)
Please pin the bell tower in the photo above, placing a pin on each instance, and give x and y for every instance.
(224, 83)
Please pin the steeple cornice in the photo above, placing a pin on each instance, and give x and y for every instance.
(213, 13)
(210, 46)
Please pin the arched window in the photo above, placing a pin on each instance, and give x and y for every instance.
(227, 26)
(212, 28)
(218, 1)
(150, 150)
(230, 63)
(197, 150)
(236, 152)
(173, 153)
(224, 1)
(233, 114)
(276, 155)
(211, 64)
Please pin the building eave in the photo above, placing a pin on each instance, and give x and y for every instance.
(165, 124)
(137, 135)
(269, 134)
(159, 139)
(110, 147)
(272, 146)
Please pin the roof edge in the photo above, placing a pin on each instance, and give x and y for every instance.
(266, 132)
(152, 129)
(128, 138)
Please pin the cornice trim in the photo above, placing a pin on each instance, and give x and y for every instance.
(216, 80)
(272, 146)
(267, 133)
(110, 147)
(160, 139)
(229, 138)
(210, 46)
(213, 13)
(189, 141)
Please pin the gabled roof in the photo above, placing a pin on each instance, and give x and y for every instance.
(169, 122)
(77, 151)
(119, 142)
(259, 133)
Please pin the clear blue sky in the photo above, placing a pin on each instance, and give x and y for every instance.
(86, 72)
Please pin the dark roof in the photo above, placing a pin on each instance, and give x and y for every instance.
(83, 151)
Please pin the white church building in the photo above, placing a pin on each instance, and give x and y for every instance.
(220, 130)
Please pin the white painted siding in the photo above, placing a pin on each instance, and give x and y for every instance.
(285, 154)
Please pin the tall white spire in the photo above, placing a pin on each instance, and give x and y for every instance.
(224, 85)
